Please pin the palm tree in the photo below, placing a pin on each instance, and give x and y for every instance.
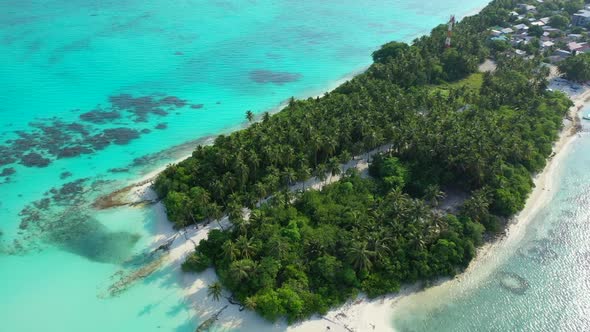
(253, 162)
(218, 190)
(478, 205)
(334, 167)
(289, 175)
(360, 256)
(229, 181)
(278, 246)
(345, 157)
(256, 216)
(260, 189)
(250, 303)
(229, 250)
(320, 172)
(330, 145)
(316, 143)
(243, 172)
(249, 116)
(214, 290)
(215, 212)
(234, 211)
(433, 195)
(242, 269)
(380, 247)
(245, 247)
(241, 224)
(303, 173)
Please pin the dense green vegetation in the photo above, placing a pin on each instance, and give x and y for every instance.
(576, 68)
(297, 259)
(311, 136)
(444, 126)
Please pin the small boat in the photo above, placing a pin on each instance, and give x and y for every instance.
(586, 117)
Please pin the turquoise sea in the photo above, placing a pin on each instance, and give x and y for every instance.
(541, 282)
(96, 93)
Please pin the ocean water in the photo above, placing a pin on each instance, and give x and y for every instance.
(96, 93)
(539, 283)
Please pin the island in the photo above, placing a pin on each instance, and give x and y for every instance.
(410, 166)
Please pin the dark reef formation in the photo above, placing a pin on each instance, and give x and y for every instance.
(99, 116)
(53, 138)
(34, 159)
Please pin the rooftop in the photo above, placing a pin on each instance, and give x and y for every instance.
(583, 13)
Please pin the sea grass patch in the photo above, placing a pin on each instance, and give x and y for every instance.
(73, 151)
(53, 138)
(65, 175)
(119, 170)
(83, 235)
(121, 136)
(140, 108)
(99, 116)
(34, 159)
(274, 77)
(7, 171)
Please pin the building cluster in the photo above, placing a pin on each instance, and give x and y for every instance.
(531, 30)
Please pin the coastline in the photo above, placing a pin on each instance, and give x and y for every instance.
(136, 191)
(359, 314)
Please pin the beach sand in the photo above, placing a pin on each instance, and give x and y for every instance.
(360, 314)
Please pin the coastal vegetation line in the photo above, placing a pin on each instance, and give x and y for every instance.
(484, 134)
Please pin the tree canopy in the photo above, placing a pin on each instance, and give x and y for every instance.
(576, 68)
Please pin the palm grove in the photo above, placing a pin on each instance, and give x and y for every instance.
(300, 254)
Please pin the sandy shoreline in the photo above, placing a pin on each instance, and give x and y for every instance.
(359, 314)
